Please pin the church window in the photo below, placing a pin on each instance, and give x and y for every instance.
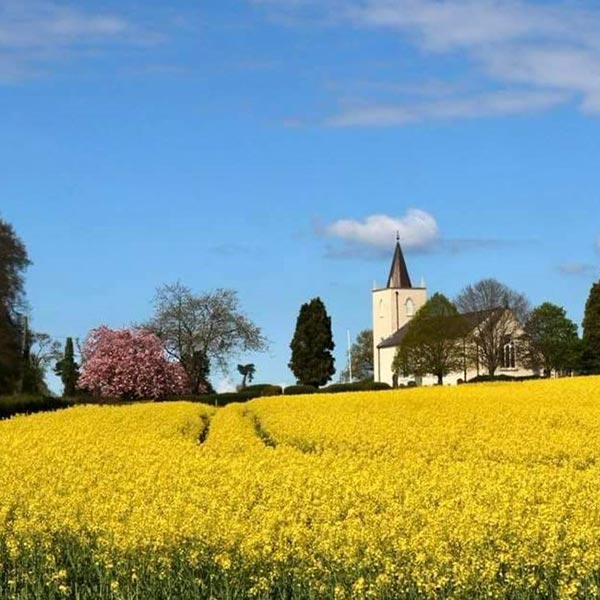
(410, 308)
(381, 307)
(508, 355)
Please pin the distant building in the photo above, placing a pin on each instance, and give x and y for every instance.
(397, 303)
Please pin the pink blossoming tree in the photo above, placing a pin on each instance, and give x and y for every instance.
(129, 364)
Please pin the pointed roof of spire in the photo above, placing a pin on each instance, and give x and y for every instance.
(399, 277)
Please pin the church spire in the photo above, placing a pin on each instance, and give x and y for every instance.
(399, 277)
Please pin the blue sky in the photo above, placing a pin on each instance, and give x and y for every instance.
(274, 147)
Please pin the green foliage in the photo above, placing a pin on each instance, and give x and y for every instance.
(551, 340)
(265, 389)
(296, 390)
(312, 360)
(247, 372)
(361, 353)
(591, 332)
(434, 341)
(29, 404)
(211, 324)
(249, 393)
(68, 370)
(502, 377)
(197, 367)
(13, 262)
(357, 386)
(40, 353)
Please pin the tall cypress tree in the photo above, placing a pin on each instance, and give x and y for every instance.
(68, 370)
(591, 332)
(312, 360)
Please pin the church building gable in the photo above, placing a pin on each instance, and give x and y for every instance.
(393, 308)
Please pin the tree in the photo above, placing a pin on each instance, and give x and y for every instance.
(312, 360)
(204, 329)
(129, 364)
(68, 370)
(247, 372)
(13, 262)
(551, 340)
(591, 332)
(433, 342)
(39, 354)
(361, 356)
(502, 311)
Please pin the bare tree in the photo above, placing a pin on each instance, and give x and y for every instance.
(501, 312)
(361, 355)
(210, 325)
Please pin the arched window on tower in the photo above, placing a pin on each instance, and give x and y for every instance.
(410, 307)
(381, 308)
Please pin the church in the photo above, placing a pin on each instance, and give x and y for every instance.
(393, 308)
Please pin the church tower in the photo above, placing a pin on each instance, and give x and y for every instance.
(393, 307)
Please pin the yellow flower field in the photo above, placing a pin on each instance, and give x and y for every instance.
(484, 491)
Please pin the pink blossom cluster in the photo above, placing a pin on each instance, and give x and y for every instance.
(129, 363)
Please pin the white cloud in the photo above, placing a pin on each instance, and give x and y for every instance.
(35, 33)
(418, 230)
(543, 53)
(497, 103)
(575, 268)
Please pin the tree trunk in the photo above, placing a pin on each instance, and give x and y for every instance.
(440, 379)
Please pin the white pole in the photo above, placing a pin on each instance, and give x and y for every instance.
(349, 356)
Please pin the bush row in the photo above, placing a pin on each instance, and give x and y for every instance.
(262, 390)
(25, 404)
(501, 377)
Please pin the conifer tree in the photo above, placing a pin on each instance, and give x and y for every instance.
(312, 360)
(68, 370)
(591, 332)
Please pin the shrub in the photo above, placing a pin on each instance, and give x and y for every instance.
(357, 386)
(501, 377)
(263, 389)
(292, 390)
(15, 405)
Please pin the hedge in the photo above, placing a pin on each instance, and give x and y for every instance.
(24, 404)
(501, 377)
(292, 390)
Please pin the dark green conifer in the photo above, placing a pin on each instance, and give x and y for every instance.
(68, 370)
(312, 360)
(591, 332)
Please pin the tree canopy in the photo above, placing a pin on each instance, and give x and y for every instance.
(129, 364)
(433, 341)
(13, 263)
(312, 360)
(552, 342)
(361, 355)
(200, 330)
(591, 331)
(68, 370)
(502, 311)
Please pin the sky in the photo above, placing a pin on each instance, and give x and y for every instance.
(275, 147)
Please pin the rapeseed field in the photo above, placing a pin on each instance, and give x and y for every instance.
(484, 491)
